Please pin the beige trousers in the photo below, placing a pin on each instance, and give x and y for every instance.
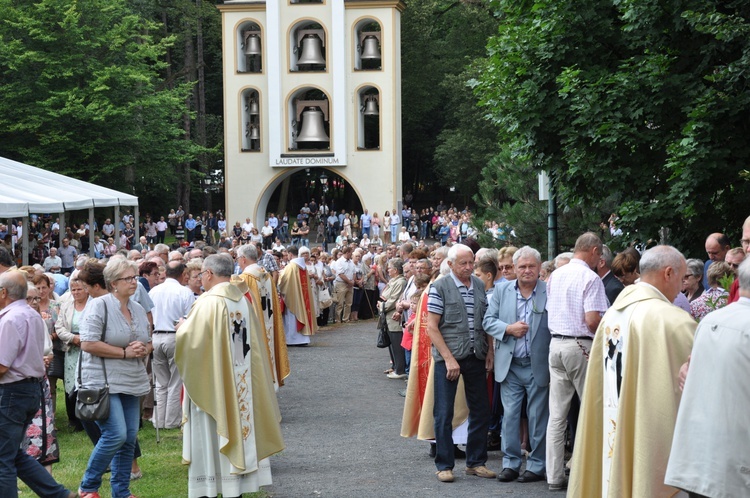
(568, 360)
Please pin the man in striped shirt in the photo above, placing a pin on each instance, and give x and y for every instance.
(576, 301)
(456, 305)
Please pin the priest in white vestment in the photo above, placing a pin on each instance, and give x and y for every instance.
(299, 309)
(230, 414)
(631, 395)
(261, 291)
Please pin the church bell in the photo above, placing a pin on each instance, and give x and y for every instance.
(252, 44)
(371, 106)
(253, 133)
(311, 51)
(313, 127)
(252, 107)
(370, 50)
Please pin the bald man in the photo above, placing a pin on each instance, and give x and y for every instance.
(717, 246)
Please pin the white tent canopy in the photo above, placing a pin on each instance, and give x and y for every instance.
(27, 190)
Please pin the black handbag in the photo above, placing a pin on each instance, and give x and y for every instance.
(92, 403)
(384, 339)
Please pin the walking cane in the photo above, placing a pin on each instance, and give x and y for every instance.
(153, 387)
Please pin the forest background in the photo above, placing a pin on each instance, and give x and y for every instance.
(634, 107)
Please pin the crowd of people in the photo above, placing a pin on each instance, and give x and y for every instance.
(590, 353)
(587, 353)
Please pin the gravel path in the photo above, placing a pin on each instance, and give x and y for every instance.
(341, 424)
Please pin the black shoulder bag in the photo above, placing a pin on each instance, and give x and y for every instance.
(384, 340)
(92, 403)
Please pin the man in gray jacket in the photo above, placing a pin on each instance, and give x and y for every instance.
(517, 319)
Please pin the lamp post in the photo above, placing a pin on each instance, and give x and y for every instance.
(324, 182)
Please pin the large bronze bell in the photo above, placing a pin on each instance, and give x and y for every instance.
(313, 127)
(370, 49)
(311, 51)
(252, 45)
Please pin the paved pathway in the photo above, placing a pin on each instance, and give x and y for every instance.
(341, 424)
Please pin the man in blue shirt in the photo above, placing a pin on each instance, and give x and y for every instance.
(190, 225)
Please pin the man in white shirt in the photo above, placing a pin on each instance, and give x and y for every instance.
(52, 261)
(248, 225)
(108, 229)
(343, 285)
(172, 301)
(267, 233)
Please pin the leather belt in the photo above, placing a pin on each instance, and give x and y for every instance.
(164, 331)
(585, 337)
(28, 380)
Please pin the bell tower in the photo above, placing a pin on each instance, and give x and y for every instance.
(311, 85)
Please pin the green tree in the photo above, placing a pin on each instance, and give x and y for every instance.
(643, 102)
(83, 94)
(445, 141)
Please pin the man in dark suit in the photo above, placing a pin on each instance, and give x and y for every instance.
(612, 286)
(517, 319)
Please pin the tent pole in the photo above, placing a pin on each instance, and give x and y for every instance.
(117, 226)
(25, 241)
(63, 231)
(137, 223)
(91, 232)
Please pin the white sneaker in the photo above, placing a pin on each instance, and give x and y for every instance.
(394, 375)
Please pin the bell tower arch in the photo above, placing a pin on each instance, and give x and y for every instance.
(311, 86)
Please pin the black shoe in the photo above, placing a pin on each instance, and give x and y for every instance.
(433, 450)
(529, 476)
(507, 475)
(493, 441)
(458, 453)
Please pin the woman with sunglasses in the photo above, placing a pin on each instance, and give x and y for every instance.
(114, 341)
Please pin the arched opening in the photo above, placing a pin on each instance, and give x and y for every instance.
(249, 47)
(308, 113)
(251, 120)
(292, 192)
(368, 136)
(307, 45)
(368, 49)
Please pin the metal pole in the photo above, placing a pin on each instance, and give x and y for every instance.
(91, 232)
(552, 247)
(153, 389)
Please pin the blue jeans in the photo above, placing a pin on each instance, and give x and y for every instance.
(394, 233)
(116, 445)
(19, 403)
(366, 231)
(477, 399)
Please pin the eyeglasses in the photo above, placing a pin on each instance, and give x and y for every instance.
(505, 267)
(128, 280)
(200, 275)
(33, 299)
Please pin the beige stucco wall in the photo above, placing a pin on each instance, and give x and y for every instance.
(375, 175)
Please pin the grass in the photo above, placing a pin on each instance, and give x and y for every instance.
(164, 475)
